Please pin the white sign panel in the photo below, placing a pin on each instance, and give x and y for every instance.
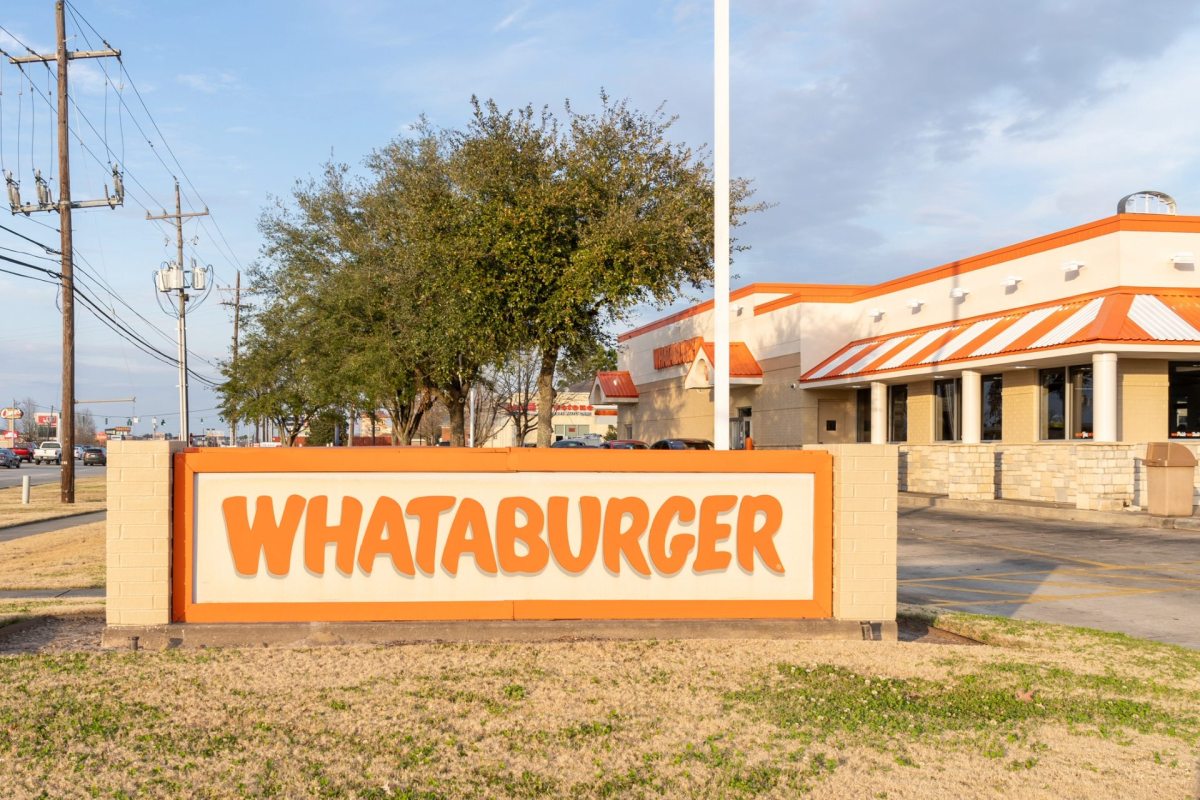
(383, 537)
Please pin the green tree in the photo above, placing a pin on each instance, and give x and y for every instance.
(576, 225)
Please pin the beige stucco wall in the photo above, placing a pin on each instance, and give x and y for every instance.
(1143, 392)
(1020, 406)
(138, 540)
(920, 412)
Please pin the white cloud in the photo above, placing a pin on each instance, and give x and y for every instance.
(210, 83)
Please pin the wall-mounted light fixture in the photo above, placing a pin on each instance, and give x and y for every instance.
(915, 304)
(959, 293)
(876, 314)
(1011, 282)
(1184, 260)
(1071, 268)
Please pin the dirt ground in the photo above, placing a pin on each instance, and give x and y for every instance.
(71, 558)
(1037, 712)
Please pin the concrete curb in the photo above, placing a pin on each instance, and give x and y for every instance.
(320, 634)
(1048, 511)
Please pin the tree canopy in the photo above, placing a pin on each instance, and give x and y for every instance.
(461, 250)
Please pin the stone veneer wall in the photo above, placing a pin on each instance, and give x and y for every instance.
(922, 468)
(1088, 475)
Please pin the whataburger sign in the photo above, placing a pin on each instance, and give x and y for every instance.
(404, 534)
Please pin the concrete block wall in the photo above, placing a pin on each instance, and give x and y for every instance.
(138, 541)
(864, 531)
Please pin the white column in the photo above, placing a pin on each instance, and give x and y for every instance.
(972, 408)
(1104, 397)
(879, 434)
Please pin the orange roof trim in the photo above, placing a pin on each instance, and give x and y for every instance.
(617, 384)
(844, 293)
(742, 363)
(1124, 314)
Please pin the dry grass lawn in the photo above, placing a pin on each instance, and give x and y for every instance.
(90, 495)
(71, 558)
(1040, 712)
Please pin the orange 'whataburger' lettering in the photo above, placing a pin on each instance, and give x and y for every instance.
(559, 536)
(708, 558)
(247, 541)
(751, 540)
(671, 563)
(508, 533)
(619, 540)
(470, 516)
(318, 533)
(387, 515)
(521, 539)
(428, 509)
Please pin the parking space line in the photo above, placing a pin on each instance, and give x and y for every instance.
(1010, 549)
(1055, 598)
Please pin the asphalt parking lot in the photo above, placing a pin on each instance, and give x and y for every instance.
(47, 473)
(1139, 581)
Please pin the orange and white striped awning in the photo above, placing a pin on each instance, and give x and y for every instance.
(1121, 316)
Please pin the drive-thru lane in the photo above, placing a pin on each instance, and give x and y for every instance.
(1139, 581)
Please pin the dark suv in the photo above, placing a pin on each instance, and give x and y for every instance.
(95, 455)
(682, 444)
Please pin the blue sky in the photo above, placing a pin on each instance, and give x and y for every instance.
(889, 136)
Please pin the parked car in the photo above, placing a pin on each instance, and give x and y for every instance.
(24, 451)
(682, 444)
(47, 452)
(625, 444)
(573, 443)
(9, 459)
(95, 455)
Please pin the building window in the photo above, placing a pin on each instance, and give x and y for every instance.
(1066, 403)
(947, 410)
(1184, 406)
(991, 396)
(898, 413)
(862, 402)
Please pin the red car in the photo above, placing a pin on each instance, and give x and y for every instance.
(24, 451)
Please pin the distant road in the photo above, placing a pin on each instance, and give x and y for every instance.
(48, 473)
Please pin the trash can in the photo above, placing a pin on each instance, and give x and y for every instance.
(1170, 476)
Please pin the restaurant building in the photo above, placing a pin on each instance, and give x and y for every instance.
(1037, 371)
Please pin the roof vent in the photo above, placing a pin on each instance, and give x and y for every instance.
(1147, 202)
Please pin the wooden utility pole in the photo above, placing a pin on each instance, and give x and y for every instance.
(182, 298)
(66, 431)
(237, 316)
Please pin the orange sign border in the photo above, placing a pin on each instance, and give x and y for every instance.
(194, 461)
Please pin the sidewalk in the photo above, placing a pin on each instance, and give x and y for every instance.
(1051, 511)
(7, 534)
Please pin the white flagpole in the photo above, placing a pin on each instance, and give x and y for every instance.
(721, 226)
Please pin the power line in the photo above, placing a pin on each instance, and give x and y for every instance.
(187, 178)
